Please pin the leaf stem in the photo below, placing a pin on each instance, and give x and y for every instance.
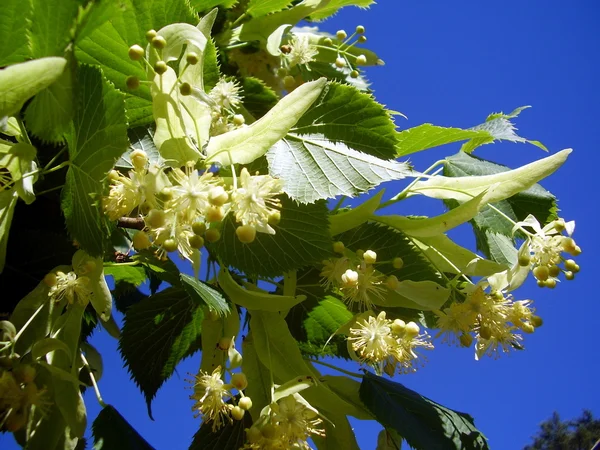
(403, 194)
(93, 378)
(23, 130)
(54, 158)
(18, 335)
(331, 366)
(339, 203)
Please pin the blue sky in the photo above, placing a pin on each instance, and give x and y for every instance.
(452, 63)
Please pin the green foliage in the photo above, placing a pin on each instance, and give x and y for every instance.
(422, 422)
(159, 332)
(257, 8)
(231, 437)
(112, 431)
(580, 433)
(301, 238)
(14, 29)
(334, 6)
(258, 97)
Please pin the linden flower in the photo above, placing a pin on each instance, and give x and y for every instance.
(71, 287)
(226, 94)
(457, 319)
(254, 201)
(210, 394)
(373, 340)
(408, 339)
(296, 421)
(368, 287)
(332, 271)
(302, 51)
(190, 192)
(11, 394)
(502, 340)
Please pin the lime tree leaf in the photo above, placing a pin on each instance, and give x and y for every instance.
(140, 138)
(344, 114)
(301, 238)
(424, 423)
(159, 332)
(202, 293)
(338, 433)
(205, 5)
(20, 82)
(317, 69)
(232, 436)
(123, 273)
(244, 145)
(498, 127)
(14, 32)
(108, 45)
(428, 136)
(492, 230)
(112, 432)
(334, 6)
(98, 138)
(347, 220)
(257, 8)
(258, 97)
(51, 26)
(313, 167)
(259, 379)
(324, 319)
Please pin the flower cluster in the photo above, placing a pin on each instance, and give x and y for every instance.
(287, 424)
(184, 207)
(494, 319)
(387, 345)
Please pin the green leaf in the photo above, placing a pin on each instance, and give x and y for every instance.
(424, 423)
(302, 237)
(202, 293)
(123, 273)
(259, 378)
(338, 433)
(14, 32)
(164, 270)
(98, 138)
(499, 128)
(493, 231)
(112, 432)
(47, 345)
(205, 5)
(318, 69)
(324, 319)
(244, 145)
(94, 15)
(8, 201)
(51, 26)
(313, 167)
(334, 6)
(348, 389)
(20, 82)
(257, 8)
(159, 332)
(258, 97)
(344, 114)
(108, 45)
(232, 436)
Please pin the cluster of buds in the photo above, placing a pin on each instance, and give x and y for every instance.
(494, 320)
(388, 345)
(542, 252)
(18, 391)
(354, 276)
(287, 423)
(184, 208)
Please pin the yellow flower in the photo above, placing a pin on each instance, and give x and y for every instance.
(373, 340)
(190, 193)
(210, 394)
(301, 50)
(71, 287)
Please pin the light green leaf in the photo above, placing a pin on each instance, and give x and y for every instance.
(51, 26)
(450, 257)
(158, 333)
(348, 389)
(275, 39)
(437, 225)
(134, 275)
(499, 247)
(112, 432)
(422, 295)
(60, 374)
(258, 8)
(344, 221)
(93, 269)
(313, 167)
(325, 319)
(20, 82)
(8, 201)
(258, 98)
(259, 380)
(178, 35)
(212, 355)
(203, 294)
(205, 5)
(94, 15)
(293, 386)
(14, 32)
(19, 160)
(244, 145)
(333, 6)
(338, 433)
(301, 238)
(98, 138)
(253, 299)
(47, 345)
(500, 186)
(107, 46)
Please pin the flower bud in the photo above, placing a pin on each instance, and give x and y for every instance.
(554, 270)
(274, 218)
(362, 39)
(199, 228)
(354, 74)
(239, 381)
(155, 218)
(136, 52)
(361, 60)
(536, 321)
(360, 29)
(350, 278)
(132, 83)
(160, 67)
(141, 241)
(150, 34)
(339, 247)
(212, 235)
(340, 62)
(392, 282)
(218, 196)
(398, 326)
(7, 331)
(412, 329)
(527, 327)
(246, 234)
(237, 413)
(50, 279)
(185, 88)
(158, 42)
(550, 283)
(571, 266)
(485, 332)
(341, 35)
(465, 339)
(327, 41)
(245, 403)
(196, 241)
(238, 120)
(559, 225)
(192, 58)
(214, 214)
(139, 159)
(370, 257)
(541, 273)
(568, 244)
(170, 245)
(289, 82)
(569, 275)
(398, 263)
(225, 343)
(254, 435)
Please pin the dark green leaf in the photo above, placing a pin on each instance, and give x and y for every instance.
(203, 294)
(331, 72)
(211, 72)
(302, 237)
(257, 8)
(334, 6)
(492, 230)
(164, 270)
(51, 26)
(158, 333)
(258, 97)
(424, 423)
(112, 432)
(98, 138)
(14, 31)
(140, 138)
(108, 45)
(230, 437)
